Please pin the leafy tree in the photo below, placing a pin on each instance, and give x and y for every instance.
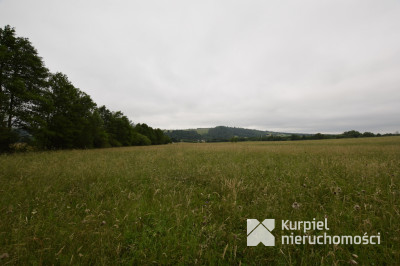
(295, 137)
(368, 134)
(156, 136)
(352, 134)
(318, 136)
(184, 135)
(147, 131)
(234, 139)
(23, 82)
(70, 119)
(122, 128)
(161, 138)
(100, 136)
(140, 140)
(117, 126)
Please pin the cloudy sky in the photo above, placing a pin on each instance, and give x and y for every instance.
(296, 66)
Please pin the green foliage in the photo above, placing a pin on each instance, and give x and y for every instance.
(100, 136)
(234, 139)
(23, 81)
(368, 134)
(156, 136)
(352, 134)
(224, 134)
(140, 140)
(70, 118)
(295, 137)
(7, 137)
(184, 135)
(117, 126)
(219, 133)
(186, 204)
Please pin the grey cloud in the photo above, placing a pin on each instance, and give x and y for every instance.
(300, 66)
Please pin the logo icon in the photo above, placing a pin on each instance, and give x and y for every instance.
(260, 232)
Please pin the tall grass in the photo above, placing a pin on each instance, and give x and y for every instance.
(188, 203)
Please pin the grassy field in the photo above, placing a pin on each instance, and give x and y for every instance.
(188, 203)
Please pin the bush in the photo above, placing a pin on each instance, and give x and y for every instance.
(140, 140)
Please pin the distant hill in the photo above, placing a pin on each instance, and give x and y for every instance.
(220, 133)
(234, 134)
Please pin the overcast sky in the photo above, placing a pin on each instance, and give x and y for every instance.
(295, 66)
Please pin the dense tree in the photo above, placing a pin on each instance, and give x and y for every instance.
(319, 136)
(184, 135)
(295, 137)
(100, 136)
(70, 118)
(139, 139)
(156, 136)
(368, 134)
(121, 131)
(117, 127)
(352, 134)
(23, 82)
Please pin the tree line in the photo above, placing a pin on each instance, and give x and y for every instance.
(346, 134)
(233, 134)
(46, 111)
(216, 134)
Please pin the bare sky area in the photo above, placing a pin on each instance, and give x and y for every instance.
(295, 66)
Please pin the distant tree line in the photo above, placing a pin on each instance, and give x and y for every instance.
(233, 134)
(222, 133)
(347, 134)
(184, 135)
(46, 111)
(216, 134)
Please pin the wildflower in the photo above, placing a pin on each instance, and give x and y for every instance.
(296, 205)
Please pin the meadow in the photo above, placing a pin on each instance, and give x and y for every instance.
(188, 203)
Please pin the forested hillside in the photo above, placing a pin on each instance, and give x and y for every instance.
(234, 134)
(219, 133)
(44, 110)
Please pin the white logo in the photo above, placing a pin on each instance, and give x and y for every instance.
(260, 232)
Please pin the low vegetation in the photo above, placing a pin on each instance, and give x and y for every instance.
(188, 203)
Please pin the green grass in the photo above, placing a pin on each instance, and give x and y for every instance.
(188, 203)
